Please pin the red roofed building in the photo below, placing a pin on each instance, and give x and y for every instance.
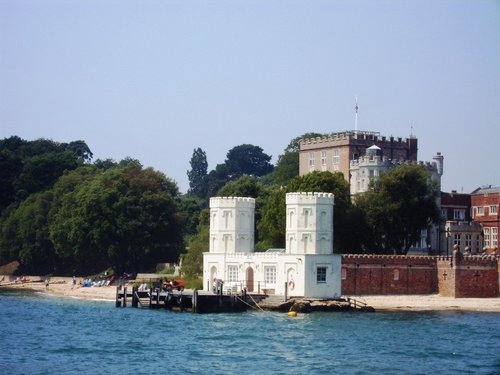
(485, 210)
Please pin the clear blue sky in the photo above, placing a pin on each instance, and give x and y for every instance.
(154, 80)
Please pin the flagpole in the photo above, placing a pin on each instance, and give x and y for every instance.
(356, 117)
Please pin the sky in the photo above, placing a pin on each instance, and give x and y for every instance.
(154, 80)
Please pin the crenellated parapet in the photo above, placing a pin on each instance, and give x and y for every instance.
(384, 161)
(242, 202)
(356, 136)
(309, 198)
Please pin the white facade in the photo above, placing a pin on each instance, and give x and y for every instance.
(373, 164)
(306, 268)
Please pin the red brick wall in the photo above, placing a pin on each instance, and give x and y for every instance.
(387, 274)
(476, 277)
(452, 276)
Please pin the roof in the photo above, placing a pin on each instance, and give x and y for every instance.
(486, 190)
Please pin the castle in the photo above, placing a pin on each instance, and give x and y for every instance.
(307, 266)
(335, 152)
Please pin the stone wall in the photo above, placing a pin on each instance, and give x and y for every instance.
(455, 276)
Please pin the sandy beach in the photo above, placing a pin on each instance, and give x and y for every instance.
(63, 287)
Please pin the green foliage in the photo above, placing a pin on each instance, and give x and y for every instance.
(287, 166)
(125, 216)
(272, 225)
(247, 160)
(245, 186)
(285, 170)
(24, 235)
(192, 260)
(294, 145)
(28, 167)
(193, 283)
(122, 216)
(198, 173)
(190, 208)
(399, 205)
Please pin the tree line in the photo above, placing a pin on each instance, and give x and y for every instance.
(62, 213)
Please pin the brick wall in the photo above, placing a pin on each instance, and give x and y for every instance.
(387, 274)
(455, 276)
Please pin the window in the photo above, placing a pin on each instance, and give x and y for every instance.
(336, 157)
(311, 160)
(480, 210)
(458, 214)
(321, 275)
(232, 273)
(344, 274)
(468, 240)
(270, 274)
(323, 157)
(493, 210)
(456, 240)
(486, 237)
(396, 275)
(494, 237)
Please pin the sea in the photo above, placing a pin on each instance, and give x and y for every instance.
(41, 334)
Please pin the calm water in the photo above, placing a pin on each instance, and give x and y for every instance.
(47, 335)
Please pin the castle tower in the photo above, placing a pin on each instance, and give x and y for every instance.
(309, 223)
(232, 225)
(439, 161)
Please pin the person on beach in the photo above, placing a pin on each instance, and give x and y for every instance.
(46, 283)
(74, 282)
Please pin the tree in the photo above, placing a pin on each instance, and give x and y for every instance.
(294, 145)
(399, 205)
(190, 208)
(81, 150)
(41, 171)
(247, 160)
(198, 173)
(272, 224)
(287, 166)
(28, 167)
(192, 260)
(245, 186)
(25, 236)
(125, 217)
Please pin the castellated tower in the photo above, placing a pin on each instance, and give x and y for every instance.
(232, 225)
(438, 160)
(309, 223)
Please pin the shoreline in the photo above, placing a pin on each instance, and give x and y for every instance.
(62, 287)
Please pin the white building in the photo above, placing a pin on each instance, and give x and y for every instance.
(370, 166)
(307, 266)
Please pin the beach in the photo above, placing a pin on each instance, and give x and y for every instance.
(63, 287)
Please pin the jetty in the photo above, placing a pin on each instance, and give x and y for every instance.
(196, 301)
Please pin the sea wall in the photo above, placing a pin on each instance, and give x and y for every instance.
(455, 276)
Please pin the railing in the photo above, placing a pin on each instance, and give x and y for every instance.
(229, 287)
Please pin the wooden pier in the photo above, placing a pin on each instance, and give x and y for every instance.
(207, 302)
(186, 300)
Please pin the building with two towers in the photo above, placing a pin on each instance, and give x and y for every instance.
(306, 267)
